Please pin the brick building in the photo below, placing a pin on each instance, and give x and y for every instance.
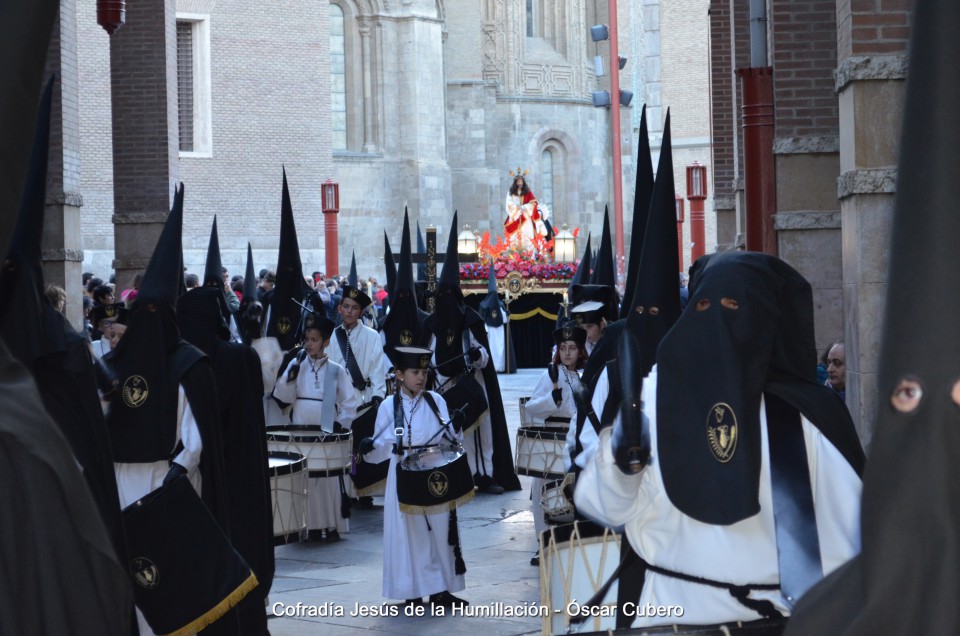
(838, 71)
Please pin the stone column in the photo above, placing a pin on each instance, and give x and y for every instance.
(368, 138)
(143, 59)
(870, 85)
(62, 246)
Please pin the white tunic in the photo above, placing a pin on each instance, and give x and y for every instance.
(101, 347)
(366, 348)
(323, 508)
(482, 435)
(417, 560)
(496, 336)
(741, 553)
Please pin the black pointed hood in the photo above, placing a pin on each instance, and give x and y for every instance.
(911, 490)
(582, 275)
(643, 192)
(389, 264)
(283, 321)
(27, 29)
(213, 272)
(150, 360)
(249, 280)
(450, 274)
(403, 326)
(21, 278)
(161, 280)
(490, 305)
(604, 272)
(656, 293)
(352, 289)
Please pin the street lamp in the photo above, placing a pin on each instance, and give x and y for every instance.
(696, 193)
(330, 205)
(564, 246)
(679, 204)
(466, 241)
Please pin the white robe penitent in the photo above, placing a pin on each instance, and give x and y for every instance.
(417, 560)
(742, 553)
(324, 499)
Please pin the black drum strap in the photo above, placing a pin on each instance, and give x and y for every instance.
(436, 411)
(398, 423)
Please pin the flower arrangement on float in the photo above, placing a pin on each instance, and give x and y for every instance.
(535, 261)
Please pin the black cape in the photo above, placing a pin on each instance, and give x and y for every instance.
(52, 541)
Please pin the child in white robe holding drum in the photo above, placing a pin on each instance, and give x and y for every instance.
(321, 394)
(421, 551)
(552, 398)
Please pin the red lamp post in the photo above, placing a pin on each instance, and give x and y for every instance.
(111, 14)
(330, 194)
(696, 193)
(679, 204)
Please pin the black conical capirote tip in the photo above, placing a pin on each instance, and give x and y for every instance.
(643, 191)
(249, 278)
(582, 275)
(604, 271)
(352, 277)
(164, 274)
(213, 271)
(405, 267)
(450, 276)
(389, 264)
(491, 278)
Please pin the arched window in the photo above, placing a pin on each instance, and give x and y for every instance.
(546, 177)
(338, 79)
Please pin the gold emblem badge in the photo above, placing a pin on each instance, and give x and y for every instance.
(135, 391)
(110, 311)
(283, 325)
(450, 337)
(424, 362)
(722, 432)
(437, 484)
(353, 293)
(406, 337)
(567, 333)
(145, 573)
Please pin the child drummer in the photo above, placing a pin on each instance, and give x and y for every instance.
(553, 398)
(421, 552)
(321, 393)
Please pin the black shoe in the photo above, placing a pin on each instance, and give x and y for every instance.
(365, 503)
(493, 488)
(333, 536)
(535, 560)
(314, 535)
(446, 599)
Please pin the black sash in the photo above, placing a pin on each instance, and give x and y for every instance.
(798, 545)
(350, 360)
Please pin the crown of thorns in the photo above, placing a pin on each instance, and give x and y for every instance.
(520, 172)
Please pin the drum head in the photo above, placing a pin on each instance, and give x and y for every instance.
(430, 458)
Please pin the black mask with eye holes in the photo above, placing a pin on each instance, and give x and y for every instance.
(748, 328)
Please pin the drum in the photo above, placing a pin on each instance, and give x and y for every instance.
(288, 491)
(434, 479)
(576, 559)
(525, 418)
(468, 395)
(368, 479)
(540, 451)
(328, 454)
(557, 508)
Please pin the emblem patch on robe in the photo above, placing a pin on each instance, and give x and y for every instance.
(283, 325)
(437, 484)
(145, 573)
(722, 432)
(450, 337)
(135, 391)
(406, 337)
